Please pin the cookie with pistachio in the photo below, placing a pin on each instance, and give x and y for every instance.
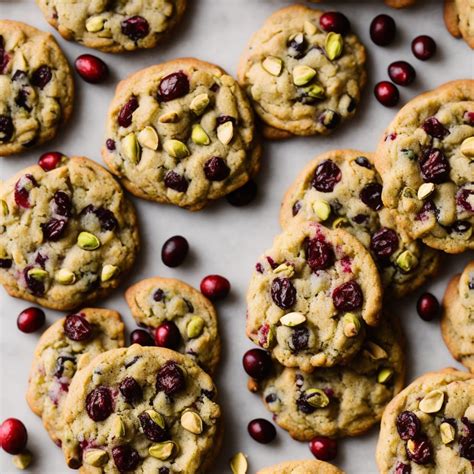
(66, 346)
(181, 133)
(426, 160)
(302, 467)
(312, 295)
(303, 76)
(178, 317)
(342, 189)
(68, 234)
(459, 19)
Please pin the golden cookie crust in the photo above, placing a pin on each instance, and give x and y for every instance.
(459, 19)
(301, 467)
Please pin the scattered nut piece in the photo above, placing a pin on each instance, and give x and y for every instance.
(239, 464)
(285, 269)
(195, 327)
(351, 324)
(96, 457)
(225, 132)
(157, 418)
(95, 24)
(162, 451)
(425, 190)
(192, 422)
(322, 209)
(467, 147)
(333, 45)
(199, 135)
(293, 319)
(316, 398)
(302, 75)
(385, 375)
(447, 432)
(309, 28)
(65, 277)
(38, 274)
(432, 402)
(108, 272)
(88, 241)
(273, 65)
(199, 104)
(131, 148)
(374, 351)
(407, 261)
(148, 138)
(176, 149)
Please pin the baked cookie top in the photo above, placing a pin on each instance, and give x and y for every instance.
(459, 19)
(426, 160)
(185, 312)
(68, 235)
(302, 80)
(429, 426)
(311, 296)
(342, 189)
(143, 410)
(114, 27)
(182, 133)
(457, 322)
(64, 347)
(36, 87)
(343, 400)
(301, 467)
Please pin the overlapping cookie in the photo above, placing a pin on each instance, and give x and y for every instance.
(459, 19)
(301, 467)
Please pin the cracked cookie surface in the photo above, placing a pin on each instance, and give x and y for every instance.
(301, 467)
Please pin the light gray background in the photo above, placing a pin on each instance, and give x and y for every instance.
(224, 239)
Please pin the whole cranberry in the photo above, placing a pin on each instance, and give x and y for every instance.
(170, 378)
(387, 93)
(173, 86)
(283, 293)
(50, 160)
(402, 73)
(167, 335)
(323, 448)
(131, 390)
(326, 175)
(125, 458)
(30, 320)
(215, 287)
(261, 430)
(408, 425)
(13, 436)
(174, 251)
(383, 30)
(99, 404)
(135, 27)
(423, 47)
(257, 363)
(243, 195)
(348, 296)
(336, 22)
(142, 337)
(91, 68)
(77, 328)
(427, 306)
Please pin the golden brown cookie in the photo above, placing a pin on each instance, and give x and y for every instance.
(302, 467)
(459, 19)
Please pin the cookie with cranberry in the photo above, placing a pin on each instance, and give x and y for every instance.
(343, 400)
(426, 160)
(304, 75)
(457, 322)
(459, 19)
(341, 188)
(69, 234)
(301, 467)
(36, 87)
(114, 27)
(181, 133)
(178, 317)
(141, 409)
(429, 426)
(312, 295)
(64, 347)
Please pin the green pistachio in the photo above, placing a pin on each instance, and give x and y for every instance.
(310, 28)
(88, 241)
(195, 327)
(95, 24)
(22, 460)
(315, 91)
(322, 209)
(425, 190)
(157, 418)
(316, 398)
(238, 464)
(384, 376)
(273, 65)
(467, 147)
(148, 138)
(199, 135)
(293, 319)
(285, 270)
(65, 277)
(409, 193)
(266, 336)
(341, 223)
(302, 75)
(118, 427)
(4, 207)
(333, 45)
(407, 261)
(162, 451)
(351, 324)
(192, 422)
(96, 457)
(131, 148)
(409, 154)
(108, 272)
(225, 132)
(199, 104)
(169, 117)
(374, 351)
(447, 432)
(176, 149)
(38, 274)
(432, 402)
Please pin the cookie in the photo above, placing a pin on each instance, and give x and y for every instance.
(141, 409)
(301, 79)
(400, 3)
(68, 235)
(311, 296)
(187, 314)
(429, 426)
(457, 322)
(181, 133)
(459, 19)
(36, 87)
(341, 188)
(302, 467)
(114, 27)
(426, 160)
(64, 347)
(343, 400)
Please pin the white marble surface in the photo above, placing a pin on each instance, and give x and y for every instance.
(224, 239)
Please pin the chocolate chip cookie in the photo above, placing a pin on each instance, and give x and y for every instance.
(67, 236)
(114, 27)
(459, 19)
(302, 467)
(457, 322)
(429, 426)
(426, 160)
(64, 347)
(302, 79)
(342, 189)
(141, 409)
(311, 296)
(36, 87)
(179, 316)
(181, 133)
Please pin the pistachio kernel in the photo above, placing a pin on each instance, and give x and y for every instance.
(374, 351)
(162, 451)
(341, 223)
(148, 138)
(96, 457)
(447, 432)
(131, 148)
(199, 104)
(411, 446)
(408, 193)
(195, 327)
(157, 418)
(4, 208)
(407, 261)
(199, 135)
(425, 190)
(225, 132)
(285, 270)
(322, 209)
(315, 91)
(293, 319)
(267, 341)
(22, 460)
(333, 45)
(309, 28)
(108, 272)
(118, 427)
(385, 375)
(302, 75)
(192, 422)
(65, 277)
(432, 402)
(95, 24)
(273, 65)
(176, 149)
(316, 398)
(467, 147)
(351, 324)
(238, 464)
(88, 241)
(169, 117)
(38, 274)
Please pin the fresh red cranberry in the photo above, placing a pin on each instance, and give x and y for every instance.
(387, 93)
(261, 430)
(91, 68)
(348, 296)
(432, 126)
(283, 293)
(215, 287)
(174, 251)
(22, 190)
(371, 196)
(139, 336)
(323, 448)
(383, 30)
(176, 181)
(135, 27)
(329, 118)
(326, 175)
(151, 430)
(422, 452)
(167, 335)
(402, 468)
(110, 144)
(427, 306)
(434, 166)
(243, 195)
(77, 328)
(124, 118)
(336, 22)
(384, 243)
(6, 128)
(257, 363)
(50, 160)
(131, 390)
(402, 73)
(170, 378)
(319, 254)
(13, 436)
(173, 86)
(62, 204)
(423, 47)
(125, 458)
(99, 404)
(299, 339)
(408, 425)
(30, 320)
(216, 169)
(54, 229)
(41, 76)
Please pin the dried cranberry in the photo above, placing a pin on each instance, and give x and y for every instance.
(299, 339)
(41, 76)
(13, 436)
(427, 208)
(158, 295)
(107, 219)
(22, 190)
(225, 118)
(243, 195)
(20, 75)
(216, 169)
(460, 227)
(432, 126)
(35, 286)
(336, 22)
(53, 230)
(466, 442)
(110, 144)
(326, 175)
(257, 363)
(402, 468)
(163, 470)
(384, 243)
(329, 119)
(152, 431)
(296, 208)
(124, 118)
(364, 162)
(297, 46)
(77, 328)
(6, 262)
(173, 86)
(62, 204)
(125, 458)
(371, 195)
(30, 320)
(22, 99)
(468, 117)
(261, 430)
(408, 425)
(348, 296)
(422, 452)
(99, 404)
(60, 361)
(167, 335)
(303, 405)
(139, 336)
(6, 128)
(4, 56)
(135, 27)
(170, 378)
(283, 293)
(50, 160)
(462, 199)
(434, 166)
(131, 390)
(176, 181)
(319, 254)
